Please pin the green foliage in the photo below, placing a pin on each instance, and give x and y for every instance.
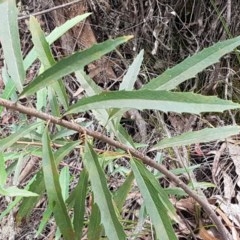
(102, 195)
(203, 136)
(159, 100)
(156, 201)
(108, 108)
(55, 197)
(11, 46)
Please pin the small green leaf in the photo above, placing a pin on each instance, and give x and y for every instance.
(121, 194)
(9, 87)
(87, 83)
(201, 136)
(9, 36)
(64, 180)
(3, 172)
(79, 203)
(16, 192)
(13, 138)
(45, 219)
(159, 100)
(102, 196)
(192, 65)
(51, 178)
(131, 76)
(71, 64)
(95, 228)
(40, 43)
(37, 186)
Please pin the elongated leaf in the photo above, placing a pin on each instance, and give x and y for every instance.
(79, 205)
(51, 178)
(201, 136)
(10, 207)
(131, 76)
(72, 63)
(28, 204)
(38, 185)
(95, 228)
(155, 207)
(3, 172)
(53, 36)
(102, 196)
(64, 180)
(9, 88)
(11, 139)
(87, 83)
(40, 43)
(192, 65)
(16, 192)
(9, 37)
(121, 194)
(160, 100)
(42, 48)
(45, 219)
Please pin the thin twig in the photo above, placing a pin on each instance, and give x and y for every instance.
(49, 10)
(145, 159)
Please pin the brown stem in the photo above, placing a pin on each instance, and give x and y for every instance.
(145, 159)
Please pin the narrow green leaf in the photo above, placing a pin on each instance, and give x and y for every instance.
(53, 36)
(102, 196)
(10, 207)
(38, 185)
(45, 219)
(28, 204)
(55, 108)
(18, 168)
(3, 172)
(51, 178)
(16, 192)
(160, 100)
(163, 197)
(9, 88)
(44, 53)
(64, 180)
(95, 228)
(131, 76)
(192, 65)
(64, 151)
(87, 83)
(175, 191)
(11, 139)
(60, 91)
(201, 136)
(40, 43)
(121, 194)
(10, 41)
(63, 133)
(155, 204)
(79, 205)
(72, 63)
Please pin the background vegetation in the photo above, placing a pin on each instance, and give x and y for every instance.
(113, 132)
